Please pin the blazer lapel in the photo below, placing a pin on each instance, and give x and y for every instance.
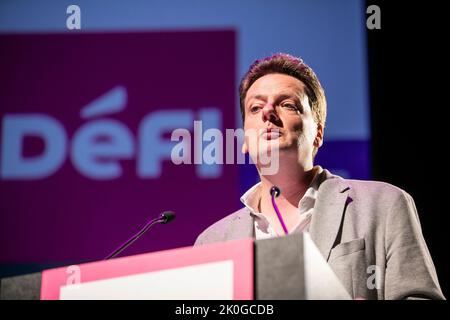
(328, 211)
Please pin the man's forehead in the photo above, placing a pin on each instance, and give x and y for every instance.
(275, 84)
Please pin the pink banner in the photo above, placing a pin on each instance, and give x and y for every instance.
(85, 140)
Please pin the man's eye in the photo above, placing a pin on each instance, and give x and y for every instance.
(254, 109)
(290, 106)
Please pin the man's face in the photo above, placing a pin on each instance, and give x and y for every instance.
(278, 102)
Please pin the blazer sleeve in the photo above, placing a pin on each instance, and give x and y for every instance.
(410, 272)
(199, 241)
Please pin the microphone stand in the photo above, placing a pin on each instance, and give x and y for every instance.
(164, 218)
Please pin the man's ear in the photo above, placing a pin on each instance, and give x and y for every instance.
(318, 141)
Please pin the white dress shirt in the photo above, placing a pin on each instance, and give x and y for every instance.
(263, 228)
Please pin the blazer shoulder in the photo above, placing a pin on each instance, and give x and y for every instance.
(382, 201)
(376, 188)
(376, 197)
(218, 231)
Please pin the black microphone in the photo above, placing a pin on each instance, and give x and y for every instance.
(163, 218)
(275, 191)
(167, 216)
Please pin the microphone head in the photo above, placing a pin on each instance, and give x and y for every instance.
(167, 216)
(275, 191)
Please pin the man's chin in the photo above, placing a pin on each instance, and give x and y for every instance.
(274, 146)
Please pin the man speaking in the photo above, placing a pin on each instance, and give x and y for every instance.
(355, 224)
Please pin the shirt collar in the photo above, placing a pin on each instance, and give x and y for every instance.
(251, 197)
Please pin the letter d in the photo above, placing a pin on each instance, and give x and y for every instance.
(13, 165)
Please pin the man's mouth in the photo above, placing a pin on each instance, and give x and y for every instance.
(271, 134)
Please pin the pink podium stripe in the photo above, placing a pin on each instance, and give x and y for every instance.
(239, 251)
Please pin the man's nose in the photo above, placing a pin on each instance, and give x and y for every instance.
(269, 113)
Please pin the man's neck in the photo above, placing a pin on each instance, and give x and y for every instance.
(293, 179)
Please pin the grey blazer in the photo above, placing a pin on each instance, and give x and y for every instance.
(362, 228)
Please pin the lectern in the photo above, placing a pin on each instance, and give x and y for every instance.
(289, 267)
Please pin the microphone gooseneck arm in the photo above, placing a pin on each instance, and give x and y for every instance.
(163, 218)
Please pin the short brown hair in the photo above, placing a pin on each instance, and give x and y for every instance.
(286, 64)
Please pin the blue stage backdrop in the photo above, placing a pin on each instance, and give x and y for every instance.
(86, 114)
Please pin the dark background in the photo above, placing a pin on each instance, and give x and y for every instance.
(408, 114)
